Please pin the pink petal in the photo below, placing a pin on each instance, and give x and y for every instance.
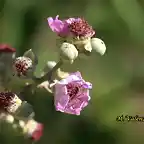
(56, 25)
(61, 98)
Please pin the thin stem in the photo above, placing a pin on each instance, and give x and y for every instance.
(39, 80)
(48, 76)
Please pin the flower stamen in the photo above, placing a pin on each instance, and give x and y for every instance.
(81, 28)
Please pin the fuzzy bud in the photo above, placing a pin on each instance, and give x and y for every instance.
(23, 66)
(51, 64)
(68, 52)
(98, 45)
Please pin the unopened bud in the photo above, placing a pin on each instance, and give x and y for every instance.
(51, 64)
(68, 52)
(98, 45)
(23, 66)
(9, 118)
(21, 123)
(88, 47)
(48, 67)
(6, 117)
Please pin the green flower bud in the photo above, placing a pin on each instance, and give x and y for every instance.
(98, 45)
(68, 52)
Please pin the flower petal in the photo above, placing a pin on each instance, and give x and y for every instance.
(73, 111)
(78, 74)
(87, 85)
(56, 25)
(61, 98)
(69, 79)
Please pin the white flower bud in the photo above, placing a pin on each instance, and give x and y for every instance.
(21, 123)
(51, 64)
(48, 67)
(98, 45)
(68, 52)
(9, 118)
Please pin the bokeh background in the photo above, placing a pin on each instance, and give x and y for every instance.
(117, 77)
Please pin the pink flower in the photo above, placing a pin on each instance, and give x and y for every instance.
(60, 27)
(72, 94)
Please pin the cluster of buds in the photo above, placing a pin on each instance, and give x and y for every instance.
(75, 35)
(29, 128)
(13, 109)
(12, 104)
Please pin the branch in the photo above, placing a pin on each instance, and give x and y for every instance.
(29, 88)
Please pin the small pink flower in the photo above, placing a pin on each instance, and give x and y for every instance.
(75, 27)
(72, 94)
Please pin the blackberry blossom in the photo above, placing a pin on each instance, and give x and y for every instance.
(81, 28)
(71, 95)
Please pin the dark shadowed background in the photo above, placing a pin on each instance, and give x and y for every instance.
(117, 77)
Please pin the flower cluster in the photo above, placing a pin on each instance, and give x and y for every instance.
(30, 128)
(70, 90)
(78, 32)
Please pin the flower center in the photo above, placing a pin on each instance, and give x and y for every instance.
(72, 90)
(22, 64)
(81, 28)
(6, 100)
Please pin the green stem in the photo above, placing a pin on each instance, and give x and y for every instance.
(48, 76)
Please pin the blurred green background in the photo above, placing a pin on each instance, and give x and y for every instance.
(117, 77)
